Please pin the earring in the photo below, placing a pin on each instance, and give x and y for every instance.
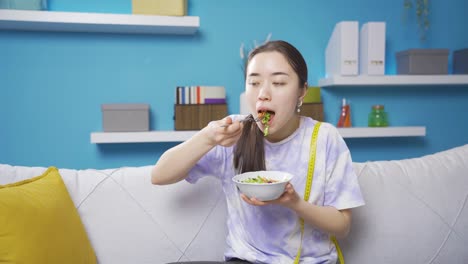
(298, 109)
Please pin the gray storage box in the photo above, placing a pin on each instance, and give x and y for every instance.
(125, 117)
(422, 61)
(460, 61)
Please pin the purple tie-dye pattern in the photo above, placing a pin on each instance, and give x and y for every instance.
(271, 234)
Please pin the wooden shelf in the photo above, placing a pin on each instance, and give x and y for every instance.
(96, 22)
(179, 136)
(395, 80)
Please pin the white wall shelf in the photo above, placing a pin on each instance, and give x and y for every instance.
(96, 22)
(140, 137)
(395, 80)
(373, 132)
(179, 136)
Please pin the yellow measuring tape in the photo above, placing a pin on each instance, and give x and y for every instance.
(308, 188)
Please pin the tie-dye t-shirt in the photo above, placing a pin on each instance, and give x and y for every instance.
(271, 234)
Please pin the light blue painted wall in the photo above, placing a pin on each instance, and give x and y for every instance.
(52, 84)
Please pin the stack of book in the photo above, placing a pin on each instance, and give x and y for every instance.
(200, 95)
(196, 106)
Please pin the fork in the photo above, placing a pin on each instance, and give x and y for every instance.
(248, 118)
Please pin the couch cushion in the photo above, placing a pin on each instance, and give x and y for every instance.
(416, 211)
(132, 221)
(192, 216)
(40, 224)
(129, 220)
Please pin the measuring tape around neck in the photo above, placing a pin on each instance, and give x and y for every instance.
(308, 188)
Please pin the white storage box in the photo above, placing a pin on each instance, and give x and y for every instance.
(372, 49)
(341, 54)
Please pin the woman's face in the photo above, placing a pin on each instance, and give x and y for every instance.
(273, 86)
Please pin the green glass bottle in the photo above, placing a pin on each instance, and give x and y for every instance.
(378, 117)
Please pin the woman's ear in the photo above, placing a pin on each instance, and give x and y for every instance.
(303, 92)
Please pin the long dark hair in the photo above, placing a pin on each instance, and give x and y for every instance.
(249, 153)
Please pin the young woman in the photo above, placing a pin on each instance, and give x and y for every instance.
(269, 232)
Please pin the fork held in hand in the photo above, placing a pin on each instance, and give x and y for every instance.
(248, 118)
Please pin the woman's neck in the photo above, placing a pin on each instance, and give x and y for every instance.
(285, 131)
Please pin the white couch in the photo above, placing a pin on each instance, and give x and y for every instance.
(416, 212)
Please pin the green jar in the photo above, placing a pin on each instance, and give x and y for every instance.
(378, 117)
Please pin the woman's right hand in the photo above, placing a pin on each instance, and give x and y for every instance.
(223, 132)
(175, 164)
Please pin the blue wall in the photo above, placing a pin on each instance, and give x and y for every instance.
(53, 84)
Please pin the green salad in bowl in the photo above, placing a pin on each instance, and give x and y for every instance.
(263, 185)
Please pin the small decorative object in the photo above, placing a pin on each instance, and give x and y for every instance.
(378, 117)
(160, 7)
(312, 105)
(313, 95)
(245, 51)
(24, 4)
(345, 116)
(421, 9)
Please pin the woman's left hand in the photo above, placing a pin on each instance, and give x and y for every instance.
(287, 199)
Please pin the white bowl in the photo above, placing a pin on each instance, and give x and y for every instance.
(263, 191)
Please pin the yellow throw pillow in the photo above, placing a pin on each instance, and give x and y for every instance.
(40, 224)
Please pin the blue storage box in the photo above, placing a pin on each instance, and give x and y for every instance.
(460, 61)
(24, 4)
